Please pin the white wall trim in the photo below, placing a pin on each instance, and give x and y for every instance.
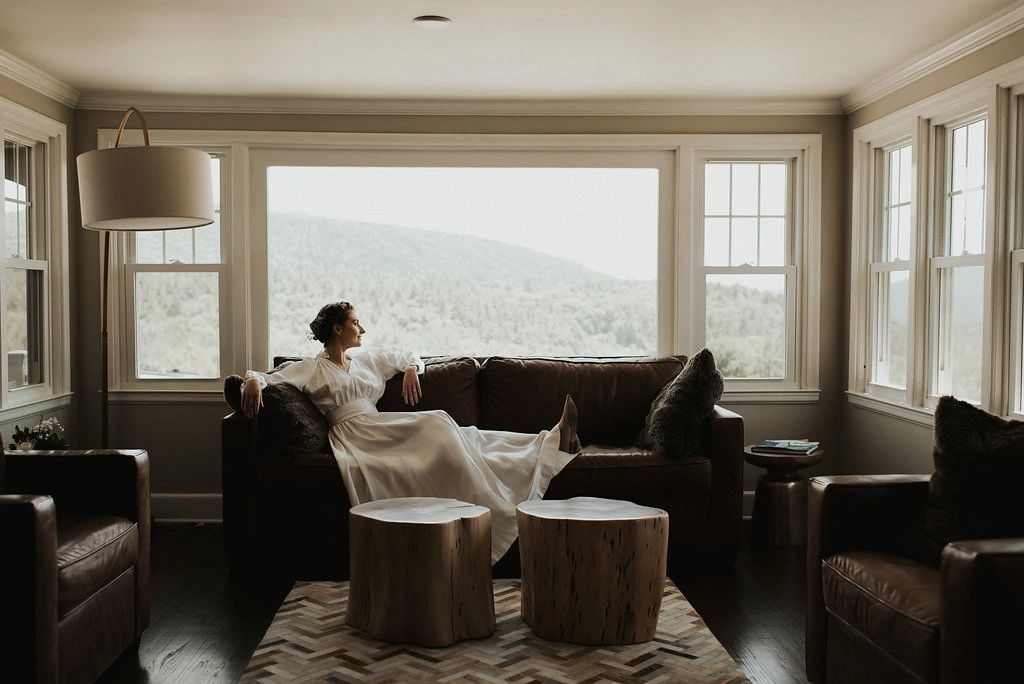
(494, 107)
(740, 397)
(910, 414)
(192, 507)
(144, 397)
(38, 80)
(974, 38)
(35, 407)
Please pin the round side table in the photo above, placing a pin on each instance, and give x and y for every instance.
(780, 502)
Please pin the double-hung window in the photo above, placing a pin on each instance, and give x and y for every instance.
(752, 221)
(33, 234)
(175, 287)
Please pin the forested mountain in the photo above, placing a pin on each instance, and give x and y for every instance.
(441, 293)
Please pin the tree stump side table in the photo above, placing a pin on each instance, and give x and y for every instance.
(780, 501)
(420, 571)
(593, 569)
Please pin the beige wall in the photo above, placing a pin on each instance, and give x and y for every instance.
(184, 440)
(875, 443)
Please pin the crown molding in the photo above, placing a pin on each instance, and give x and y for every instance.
(36, 79)
(982, 34)
(506, 107)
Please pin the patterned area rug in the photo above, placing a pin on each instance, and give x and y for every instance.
(310, 642)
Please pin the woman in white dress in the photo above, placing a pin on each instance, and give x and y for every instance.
(423, 453)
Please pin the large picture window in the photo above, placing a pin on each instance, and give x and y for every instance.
(479, 261)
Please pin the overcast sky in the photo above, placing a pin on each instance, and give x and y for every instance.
(605, 219)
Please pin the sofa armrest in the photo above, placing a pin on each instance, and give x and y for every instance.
(880, 512)
(28, 588)
(981, 607)
(237, 457)
(725, 451)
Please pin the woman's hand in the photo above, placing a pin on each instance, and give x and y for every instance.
(411, 391)
(252, 397)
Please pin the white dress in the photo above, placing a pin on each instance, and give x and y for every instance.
(421, 453)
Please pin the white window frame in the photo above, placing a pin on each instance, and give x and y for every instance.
(795, 230)
(246, 235)
(995, 93)
(50, 197)
(122, 341)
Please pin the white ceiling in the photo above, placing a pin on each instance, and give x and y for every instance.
(521, 49)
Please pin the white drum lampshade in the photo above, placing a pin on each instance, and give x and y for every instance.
(145, 188)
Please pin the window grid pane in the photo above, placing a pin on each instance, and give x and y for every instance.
(746, 325)
(18, 200)
(744, 209)
(177, 325)
(891, 328)
(24, 325)
(961, 316)
(965, 196)
(897, 230)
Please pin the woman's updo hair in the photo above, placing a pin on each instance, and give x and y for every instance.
(322, 327)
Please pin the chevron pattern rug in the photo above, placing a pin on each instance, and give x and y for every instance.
(309, 641)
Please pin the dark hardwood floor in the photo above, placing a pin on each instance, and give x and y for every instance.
(206, 624)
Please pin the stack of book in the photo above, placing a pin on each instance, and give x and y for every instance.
(785, 446)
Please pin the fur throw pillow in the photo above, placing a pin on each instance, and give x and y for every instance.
(289, 424)
(979, 464)
(674, 423)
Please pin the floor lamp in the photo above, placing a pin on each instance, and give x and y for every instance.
(134, 189)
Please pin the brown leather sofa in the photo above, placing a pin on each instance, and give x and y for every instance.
(74, 574)
(292, 518)
(875, 614)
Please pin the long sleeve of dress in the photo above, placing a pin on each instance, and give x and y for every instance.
(295, 374)
(389, 363)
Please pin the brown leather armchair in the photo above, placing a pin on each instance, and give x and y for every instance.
(876, 614)
(74, 579)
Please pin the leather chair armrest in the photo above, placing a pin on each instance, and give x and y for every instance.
(981, 607)
(725, 451)
(880, 512)
(28, 588)
(93, 482)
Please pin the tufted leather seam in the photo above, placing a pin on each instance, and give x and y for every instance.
(878, 599)
(98, 548)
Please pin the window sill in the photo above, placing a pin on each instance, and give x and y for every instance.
(742, 397)
(910, 414)
(34, 407)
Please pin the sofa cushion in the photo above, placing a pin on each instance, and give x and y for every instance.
(449, 384)
(891, 601)
(675, 422)
(979, 463)
(612, 395)
(628, 473)
(91, 552)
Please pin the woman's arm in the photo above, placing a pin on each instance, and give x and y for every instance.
(295, 374)
(389, 363)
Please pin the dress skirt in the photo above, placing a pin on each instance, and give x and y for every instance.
(426, 453)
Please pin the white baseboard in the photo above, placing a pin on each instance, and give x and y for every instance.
(186, 507)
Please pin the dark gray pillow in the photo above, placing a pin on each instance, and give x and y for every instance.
(674, 423)
(287, 426)
(979, 464)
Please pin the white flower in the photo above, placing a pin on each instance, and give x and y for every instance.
(25, 446)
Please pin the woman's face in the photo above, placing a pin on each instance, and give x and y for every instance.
(351, 333)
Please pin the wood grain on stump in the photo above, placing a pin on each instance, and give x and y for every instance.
(593, 569)
(420, 571)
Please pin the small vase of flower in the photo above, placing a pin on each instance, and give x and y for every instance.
(49, 434)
